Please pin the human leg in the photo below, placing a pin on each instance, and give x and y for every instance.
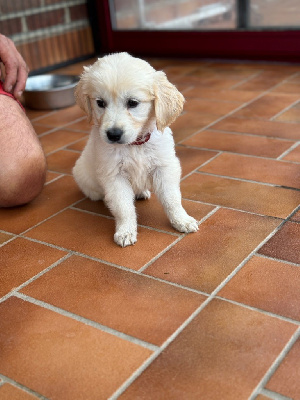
(22, 161)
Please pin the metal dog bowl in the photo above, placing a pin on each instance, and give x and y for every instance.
(44, 92)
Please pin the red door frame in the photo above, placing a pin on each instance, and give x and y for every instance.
(279, 45)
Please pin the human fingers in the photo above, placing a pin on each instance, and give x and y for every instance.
(22, 76)
(15, 66)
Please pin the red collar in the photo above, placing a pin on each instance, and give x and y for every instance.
(141, 140)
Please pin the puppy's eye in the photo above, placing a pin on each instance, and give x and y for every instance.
(131, 103)
(101, 103)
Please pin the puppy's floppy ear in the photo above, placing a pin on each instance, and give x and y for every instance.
(81, 96)
(168, 101)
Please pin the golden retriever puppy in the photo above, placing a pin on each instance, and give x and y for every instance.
(131, 148)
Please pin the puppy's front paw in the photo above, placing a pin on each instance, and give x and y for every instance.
(185, 224)
(125, 238)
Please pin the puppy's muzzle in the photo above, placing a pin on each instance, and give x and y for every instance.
(114, 134)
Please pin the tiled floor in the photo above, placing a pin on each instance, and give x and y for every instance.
(209, 315)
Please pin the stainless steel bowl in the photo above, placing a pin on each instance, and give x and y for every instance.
(48, 92)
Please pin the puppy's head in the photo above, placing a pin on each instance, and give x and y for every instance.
(125, 97)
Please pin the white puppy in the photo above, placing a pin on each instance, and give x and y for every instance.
(130, 148)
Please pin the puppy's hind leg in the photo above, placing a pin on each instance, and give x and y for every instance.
(166, 184)
(143, 195)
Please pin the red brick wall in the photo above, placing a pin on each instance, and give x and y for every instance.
(47, 32)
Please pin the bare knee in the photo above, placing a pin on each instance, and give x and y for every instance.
(22, 161)
(23, 181)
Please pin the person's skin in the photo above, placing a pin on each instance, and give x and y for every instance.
(22, 160)
(15, 67)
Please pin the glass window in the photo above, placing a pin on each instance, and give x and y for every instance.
(173, 14)
(275, 13)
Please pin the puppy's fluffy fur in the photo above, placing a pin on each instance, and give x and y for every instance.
(126, 99)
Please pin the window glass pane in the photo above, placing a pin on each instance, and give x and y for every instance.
(275, 13)
(173, 14)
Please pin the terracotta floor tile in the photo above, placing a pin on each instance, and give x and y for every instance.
(213, 107)
(58, 139)
(82, 125)
(264, 128)
(190, 159)
(288, 87)
(62, 161)
(255, 169)
(267, 284)
(285, 244)
(4, 237)
(222, 354)
(224, 71)
(130, 303)
(9, 392)
(54, 197)
(36, 114)
(286, 379)
(61, 358)
(21, 260)
(244, 144)
(247, 196)
(224, 95)
(265, 80)
(51, 176)
(203, 260)
(189, 123)
(40, 129)
(294, 155)
(78, 146)
(291, 115)
(262, 397)
(267, 106)
(150, 212)
(93, 235)
(296, 217)
(216, 83)
(61, 117)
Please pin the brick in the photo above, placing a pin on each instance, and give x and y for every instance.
(46, 19)
(18, 5)
(11, 26)
(78, 12)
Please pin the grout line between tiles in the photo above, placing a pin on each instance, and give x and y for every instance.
(278, 158)
(284, 110)
(86, 321)
(227, 115)
(141, 369)
(51, 216)
(176, 234)
(174, 243)
(254, 135)
(275, 364)
(285, 153)
(253, 156)
(273, 395)
(22, 387)
(247, 180)
(54, 179)
(249, 78)
(260, 310)
(278, 259)
(47, 114)
(82, 255)
(32, 279)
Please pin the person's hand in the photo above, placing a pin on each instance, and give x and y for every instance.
(16, 70)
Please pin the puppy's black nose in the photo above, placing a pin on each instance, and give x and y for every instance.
(114, 134)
